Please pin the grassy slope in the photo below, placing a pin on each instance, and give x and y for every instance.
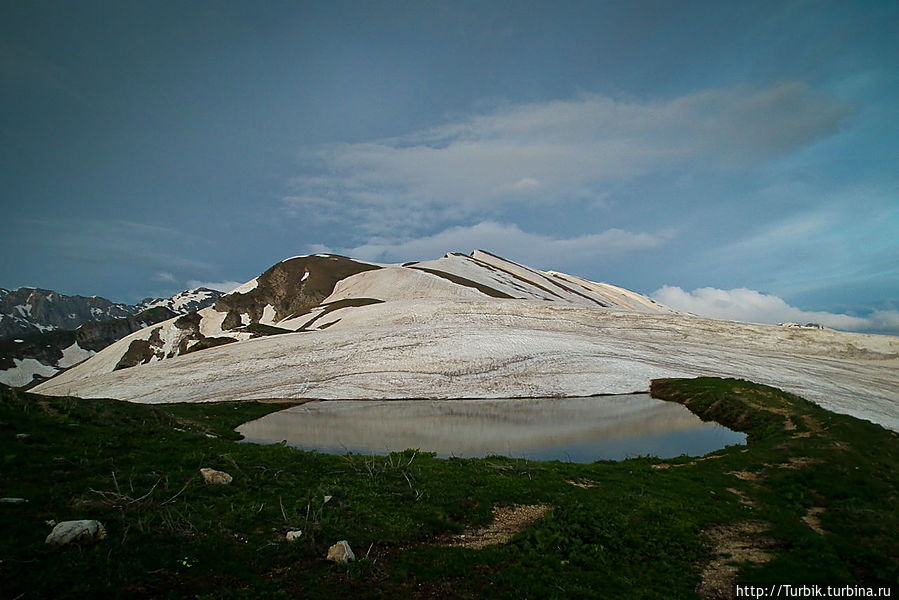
(638, 531)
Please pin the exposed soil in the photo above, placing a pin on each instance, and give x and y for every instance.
(813, 520)
(738, 543)
(508, 521)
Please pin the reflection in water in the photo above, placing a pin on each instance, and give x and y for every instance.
(570, 429)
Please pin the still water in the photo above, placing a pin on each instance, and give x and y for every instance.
(579, 430)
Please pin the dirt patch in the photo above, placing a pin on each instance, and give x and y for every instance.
(812, 519)
(584, 484)
(738, 543)
(675, 466)
(508, 521)
(796, 462)
(745, 475)
(743, 498)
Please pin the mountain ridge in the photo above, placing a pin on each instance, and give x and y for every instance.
(466, 326)
(29, 310)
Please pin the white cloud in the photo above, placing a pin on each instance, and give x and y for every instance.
(549, 152)
(885, 320)
(742, 304)
(509, 240)
(222, 286)
(164, 276)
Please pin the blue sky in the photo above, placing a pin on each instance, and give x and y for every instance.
(737, 159)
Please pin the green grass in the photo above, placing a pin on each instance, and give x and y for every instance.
(637, 532)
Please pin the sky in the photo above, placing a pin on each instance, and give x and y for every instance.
(733, 159)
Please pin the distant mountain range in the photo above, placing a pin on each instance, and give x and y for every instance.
(43, 332)
(465, 326)
(27, 311)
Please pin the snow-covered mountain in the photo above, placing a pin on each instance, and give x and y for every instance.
(182, 302)
(27, 311)
(299, 293)
(465, 326)
(52, 332)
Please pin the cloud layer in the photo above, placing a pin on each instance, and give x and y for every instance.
(742, 304)
(509, 240)
(548, 153)
(221, 286)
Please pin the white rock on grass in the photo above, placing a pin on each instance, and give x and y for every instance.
(341, 552)
(76, 532)
(293, 536)
(213, 477)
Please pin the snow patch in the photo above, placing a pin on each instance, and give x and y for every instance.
(211, 322)
(73, 355)
(268, 315)
(399, 283)
(24, 371)
(247, 287)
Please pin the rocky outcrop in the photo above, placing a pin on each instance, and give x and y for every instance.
(291, 287)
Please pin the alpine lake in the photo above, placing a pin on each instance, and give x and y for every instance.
(578, 430)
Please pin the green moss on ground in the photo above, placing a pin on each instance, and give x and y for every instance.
(632, 529)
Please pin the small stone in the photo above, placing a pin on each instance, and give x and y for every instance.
(13, 500)
(293, 536)
(213, 477)
(341, 552)
(76, 532)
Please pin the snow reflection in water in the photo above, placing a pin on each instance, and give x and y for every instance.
(569, 429)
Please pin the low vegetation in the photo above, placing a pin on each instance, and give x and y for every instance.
(811, 499)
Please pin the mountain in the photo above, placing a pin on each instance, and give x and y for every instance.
(466, 326)
(55, 332)
(298, 293)
(182, 302)
(27, 311)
